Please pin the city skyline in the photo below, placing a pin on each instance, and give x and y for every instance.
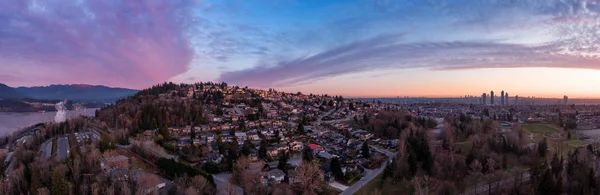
(349, 48)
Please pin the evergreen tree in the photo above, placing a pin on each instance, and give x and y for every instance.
(247, 148)
(366, 150)
(307, 154)
(282, 164)
(542, 147)
(336, 168)
(262, 151)
(301, 128)
(412, 163)
(164, 131)
(192, 133)
(231, 157)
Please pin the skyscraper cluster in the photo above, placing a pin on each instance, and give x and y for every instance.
(503, 98)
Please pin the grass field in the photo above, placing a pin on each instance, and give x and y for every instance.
(375, 187)
(136, 162)
(577, 143)
(330, 191)
(540, 129)
(465, 147)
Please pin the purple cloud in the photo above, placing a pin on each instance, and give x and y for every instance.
(388, 52)
(120, 43)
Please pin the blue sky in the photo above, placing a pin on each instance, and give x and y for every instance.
(305, 45)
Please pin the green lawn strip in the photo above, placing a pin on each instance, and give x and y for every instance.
(376, 186)
(540, 129)
(577, 143)
(328, 190)
(465, 147)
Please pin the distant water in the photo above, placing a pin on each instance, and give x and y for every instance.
(12, 121)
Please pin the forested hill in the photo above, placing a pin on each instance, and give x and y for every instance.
(162, 106)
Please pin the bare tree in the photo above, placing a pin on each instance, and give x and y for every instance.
(247, 175)
(311, 178)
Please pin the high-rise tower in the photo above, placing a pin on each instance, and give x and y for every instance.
(506, 99)
(502, 98)
(492, 97)
(484, 98)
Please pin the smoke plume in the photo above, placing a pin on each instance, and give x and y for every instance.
(61, 114)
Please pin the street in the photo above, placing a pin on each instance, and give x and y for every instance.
(371, 174)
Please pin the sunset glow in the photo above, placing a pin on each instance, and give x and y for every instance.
(433, 48)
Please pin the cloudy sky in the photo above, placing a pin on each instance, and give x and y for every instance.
(359, 48)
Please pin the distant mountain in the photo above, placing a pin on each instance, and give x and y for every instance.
(85, 93)
(7, 92)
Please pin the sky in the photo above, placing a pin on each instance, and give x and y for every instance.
(354, 48)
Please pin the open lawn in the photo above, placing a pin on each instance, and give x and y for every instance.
(540, 129)
(465, 147)
(330, 191)
(136, 161)
(577, 143)
(375, 187)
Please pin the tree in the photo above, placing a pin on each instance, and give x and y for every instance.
(366, 118)
(301, 128)
(164, 131)
(307, 154)
(504, 162)
(262, 150)
(310, 178)
(247, 148)
(192, 133)
(231, 156)
(283, 160)
(542, 147)
(60, 186)
(366, 150)
(336, 168)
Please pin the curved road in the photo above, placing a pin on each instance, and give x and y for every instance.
(371, 174)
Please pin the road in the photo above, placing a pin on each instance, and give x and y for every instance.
(221, 180)
(324, 115)
(370, 174)
(238, 111)
(348, 118)
(63, 147)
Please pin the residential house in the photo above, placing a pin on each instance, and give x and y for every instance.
(296, 146)
(276, 175)
(241, 136)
